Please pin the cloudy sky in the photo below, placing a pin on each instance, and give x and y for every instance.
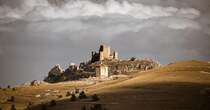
(37, 34)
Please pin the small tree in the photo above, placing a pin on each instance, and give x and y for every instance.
(73, 97)
(12, 99)
(76, 90)
(8, 86)
(60, 96)
(95, 97)
(82, 95)
(52, 103)
(68, 94)
(14, 89)
(30, 103)
(13, 107)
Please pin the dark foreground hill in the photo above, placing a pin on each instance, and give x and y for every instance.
(183, 85)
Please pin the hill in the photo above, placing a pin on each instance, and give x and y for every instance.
(183, 85)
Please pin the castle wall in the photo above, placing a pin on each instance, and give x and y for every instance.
(102, 71)
(104, 54)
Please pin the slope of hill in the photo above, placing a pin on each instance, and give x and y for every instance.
(183, 85)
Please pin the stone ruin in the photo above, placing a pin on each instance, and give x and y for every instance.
(102, 64)
(105, 53)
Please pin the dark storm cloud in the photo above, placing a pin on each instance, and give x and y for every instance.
(36, 34)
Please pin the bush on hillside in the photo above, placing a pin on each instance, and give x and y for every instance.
(12, 99)
(52, 103)
(73, 97)
(60, 96)
(68, 94)
(82, 95)
(13, 89)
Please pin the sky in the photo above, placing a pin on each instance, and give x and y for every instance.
(35, 35)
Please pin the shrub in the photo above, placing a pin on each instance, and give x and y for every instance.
(95, 97)
(73, 97)
(30, 103)
(60, 96)
(8, 86)
(82, 95)
(76, 91)
(68, 94)
(52, 103)
(13, 107)
(12, 99)
(13, 89)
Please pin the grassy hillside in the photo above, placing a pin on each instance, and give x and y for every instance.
(183, 85)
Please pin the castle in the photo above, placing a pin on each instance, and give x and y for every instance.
(105, 53)
(102, 64)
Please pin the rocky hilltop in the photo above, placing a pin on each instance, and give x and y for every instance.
(102, 64)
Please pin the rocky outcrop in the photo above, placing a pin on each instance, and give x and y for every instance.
(56, 70)
(106, 57)
(56, 74)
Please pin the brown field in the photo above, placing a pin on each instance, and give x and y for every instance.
(183, 85)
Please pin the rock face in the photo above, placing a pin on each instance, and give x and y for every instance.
(56, 70)
(56, 74)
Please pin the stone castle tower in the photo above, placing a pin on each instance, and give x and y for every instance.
(105, 53)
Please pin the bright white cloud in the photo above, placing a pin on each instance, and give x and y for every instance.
(41, 9)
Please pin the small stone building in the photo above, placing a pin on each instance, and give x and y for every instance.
(102, 71)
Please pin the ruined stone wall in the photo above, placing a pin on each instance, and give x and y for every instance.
(125, 67)
(104, 54)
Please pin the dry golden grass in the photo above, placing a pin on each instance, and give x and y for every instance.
(178, 86)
